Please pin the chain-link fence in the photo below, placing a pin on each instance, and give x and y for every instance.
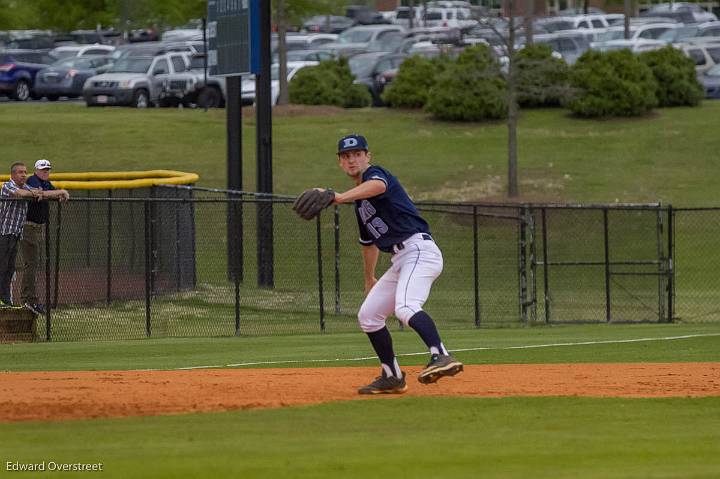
(181, 261)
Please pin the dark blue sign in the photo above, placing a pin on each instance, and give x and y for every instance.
(228, 37)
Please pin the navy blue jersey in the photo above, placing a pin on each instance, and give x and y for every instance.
(39, 211)
(389, 218)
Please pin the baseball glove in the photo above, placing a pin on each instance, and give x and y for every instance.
(311, 202)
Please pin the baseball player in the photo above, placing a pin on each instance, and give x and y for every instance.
(389, 222)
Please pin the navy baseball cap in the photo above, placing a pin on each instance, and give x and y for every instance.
(352, 142)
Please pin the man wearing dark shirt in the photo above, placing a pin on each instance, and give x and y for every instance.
(32, 240)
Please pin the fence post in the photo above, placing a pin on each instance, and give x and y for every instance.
(671, 265)
(109, 248)
(153, 240)
(476, 268)
(48, 314)
(56, 286)
(337, 259)
(546, 273)
(148, 253)
(88, 230)
(192, 238)
(533, 265)
(236, 280)
(606, 236)
(320, 272)
(660, 243)
(522, 272)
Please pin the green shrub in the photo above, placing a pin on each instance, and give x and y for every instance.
(541, 78)
(329, 83)
(675, 76)
(411, 87)
(470, 89)
(611, 84)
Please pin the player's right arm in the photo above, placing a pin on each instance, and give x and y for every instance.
(370, 258)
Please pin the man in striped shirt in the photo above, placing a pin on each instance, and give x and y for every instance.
(12, 219)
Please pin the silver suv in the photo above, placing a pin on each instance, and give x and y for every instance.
(189, 87)
(136, 81)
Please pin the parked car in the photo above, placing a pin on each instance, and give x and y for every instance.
(688, 32)
(575, 22)
(18, 69)
(705, 53)
(307, 56)
(638, 45)
(133, 81)
(710, 81)
(189, 87)
(182, 35)
(368, 69)
(86, 37)
(649, 31)
(67, 77)
(357, 39)
(327, 24)
(306, 41)
(449, 17)
(157, 48)
(30, 40)
(570, 47)
(689, 12)
(67, 51)
(248, 83)
(364, 15)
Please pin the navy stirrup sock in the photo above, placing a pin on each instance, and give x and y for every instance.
(383, 345)
(425, 327)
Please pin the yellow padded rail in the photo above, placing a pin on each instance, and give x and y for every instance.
(113, 180)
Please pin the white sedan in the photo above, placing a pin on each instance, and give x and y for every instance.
(248, 84)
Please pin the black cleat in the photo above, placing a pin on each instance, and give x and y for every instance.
(440, 365)
(385, 385)
(36, 308)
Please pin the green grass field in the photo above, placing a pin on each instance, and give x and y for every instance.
(404, 437)
(669, 156)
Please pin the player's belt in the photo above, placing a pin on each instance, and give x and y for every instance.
(401, 245)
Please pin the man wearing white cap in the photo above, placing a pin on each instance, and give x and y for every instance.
(32, 240)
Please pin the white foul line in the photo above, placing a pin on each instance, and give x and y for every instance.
(368, 358)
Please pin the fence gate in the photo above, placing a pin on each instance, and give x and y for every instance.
(605, 263)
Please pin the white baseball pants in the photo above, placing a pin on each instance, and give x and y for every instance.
(405, 287)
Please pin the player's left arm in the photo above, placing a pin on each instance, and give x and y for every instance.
(364, 190)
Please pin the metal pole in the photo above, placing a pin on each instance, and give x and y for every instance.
(233, 119)
(148, 253)
(476, 268)
(661, 265)
(178, 268)
(87, 231)
(237, 305)
(152, 231)
(192, 240)
(108, 298)
(533, 267)
(607, 264)
(546, 273)
(56, 286)
(263, 130)
(671, 265)
(48, 317)
(336, 217)
(320, 273)
(523, 269)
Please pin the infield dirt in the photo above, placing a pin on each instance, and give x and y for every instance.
(48, 396)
